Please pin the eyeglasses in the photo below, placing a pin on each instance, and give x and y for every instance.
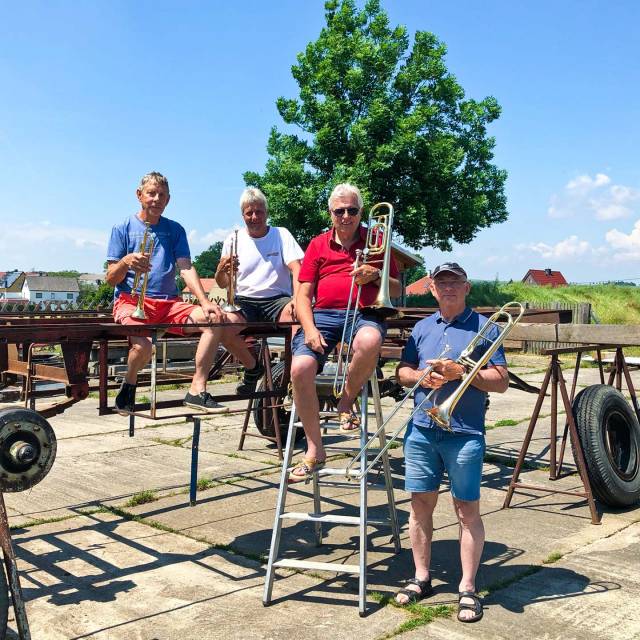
(352, 211)
(445, 284)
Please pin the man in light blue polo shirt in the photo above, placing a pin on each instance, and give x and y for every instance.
(429, 450)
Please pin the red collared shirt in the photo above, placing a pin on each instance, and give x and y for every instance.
(328, 264)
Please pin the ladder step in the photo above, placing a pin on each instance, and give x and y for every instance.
(321, 517)
(318, 566)
(345, 484)
(332, 518)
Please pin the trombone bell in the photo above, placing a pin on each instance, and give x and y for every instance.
(378, 243)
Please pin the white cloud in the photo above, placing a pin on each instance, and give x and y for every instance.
(199, 242)
(595, 196)
(566, 249)
(52, 247)
(622, 246)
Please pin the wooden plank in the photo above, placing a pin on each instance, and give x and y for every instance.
(600, 334)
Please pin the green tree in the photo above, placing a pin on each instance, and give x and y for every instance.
(415, 273)
(207, 261)
(100, 295)
(391, 119)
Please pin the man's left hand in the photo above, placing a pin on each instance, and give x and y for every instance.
(448, 369)
(213, 312)
(365, 274)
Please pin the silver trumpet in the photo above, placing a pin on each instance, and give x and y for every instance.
(441, 414)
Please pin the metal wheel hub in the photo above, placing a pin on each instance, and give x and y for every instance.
(27, 449)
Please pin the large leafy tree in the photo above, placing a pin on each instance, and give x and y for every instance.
(206, 262)
(391, 119)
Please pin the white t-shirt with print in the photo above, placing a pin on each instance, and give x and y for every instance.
(262, 270)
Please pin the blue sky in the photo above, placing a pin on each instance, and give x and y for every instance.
(95, 94)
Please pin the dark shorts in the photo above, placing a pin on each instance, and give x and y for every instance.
(429, 451)
(262, 309)
(330, 323)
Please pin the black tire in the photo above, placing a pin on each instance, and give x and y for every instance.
(267, 428)
(33, 434)
(610, 436)
(4, 602)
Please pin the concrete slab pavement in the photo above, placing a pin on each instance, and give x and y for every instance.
(164, 570)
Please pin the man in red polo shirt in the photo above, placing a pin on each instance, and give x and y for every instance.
(326, 274)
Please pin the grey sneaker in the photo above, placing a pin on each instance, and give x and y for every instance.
(126, 399)
(205, 402)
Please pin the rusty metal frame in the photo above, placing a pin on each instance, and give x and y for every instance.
(555, 376)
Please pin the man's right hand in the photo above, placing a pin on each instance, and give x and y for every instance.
(432, 380)
(316, 342)
(138, 262)
(224, 266)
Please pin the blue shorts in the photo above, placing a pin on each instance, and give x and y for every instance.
(429, 451)
(330, 323)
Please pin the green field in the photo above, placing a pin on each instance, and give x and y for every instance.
(612, 304)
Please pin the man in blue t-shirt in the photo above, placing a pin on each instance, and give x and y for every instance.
(429, 450)
(162, 303)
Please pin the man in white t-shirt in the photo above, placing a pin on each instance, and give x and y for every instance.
(268, 260)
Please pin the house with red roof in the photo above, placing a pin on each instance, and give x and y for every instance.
(545, 277)
(419, 287)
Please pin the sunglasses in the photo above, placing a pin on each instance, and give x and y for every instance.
(352, 211)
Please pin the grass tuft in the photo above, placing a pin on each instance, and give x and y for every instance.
(142, 497)
(553, 557)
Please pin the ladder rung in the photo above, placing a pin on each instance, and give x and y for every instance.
(345, 484)
(332, 518)
(318, 566)
(320, 517)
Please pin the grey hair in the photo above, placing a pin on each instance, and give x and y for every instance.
(251, 195)
(156, 177)
(346, 189)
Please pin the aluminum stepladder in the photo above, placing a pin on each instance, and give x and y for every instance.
(318, 518)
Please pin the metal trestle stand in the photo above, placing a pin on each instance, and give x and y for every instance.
(335, 477)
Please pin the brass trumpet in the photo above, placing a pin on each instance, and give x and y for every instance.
(441, 414)
(231, 306)
(378, 243)
(141, 279)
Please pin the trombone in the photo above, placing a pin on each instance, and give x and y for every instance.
(141, 279)
(232, 283)
(378, 243)
(441, 414)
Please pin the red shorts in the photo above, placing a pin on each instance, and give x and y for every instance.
(173, 311)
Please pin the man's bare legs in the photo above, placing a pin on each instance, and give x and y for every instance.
(303, 378)
(205, 352)
(420, 534)
(235, 343)
(366, 349)
(139, 356)
(471, 546)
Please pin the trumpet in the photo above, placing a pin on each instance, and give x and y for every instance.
(378, 243)
(230, 305)
(441, 414)
(141, 279)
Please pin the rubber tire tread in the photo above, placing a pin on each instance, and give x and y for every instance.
(277, 375)
(589, 409)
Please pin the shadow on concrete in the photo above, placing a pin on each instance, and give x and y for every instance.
(101, 580)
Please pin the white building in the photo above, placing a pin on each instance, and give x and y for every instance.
(50, 288)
